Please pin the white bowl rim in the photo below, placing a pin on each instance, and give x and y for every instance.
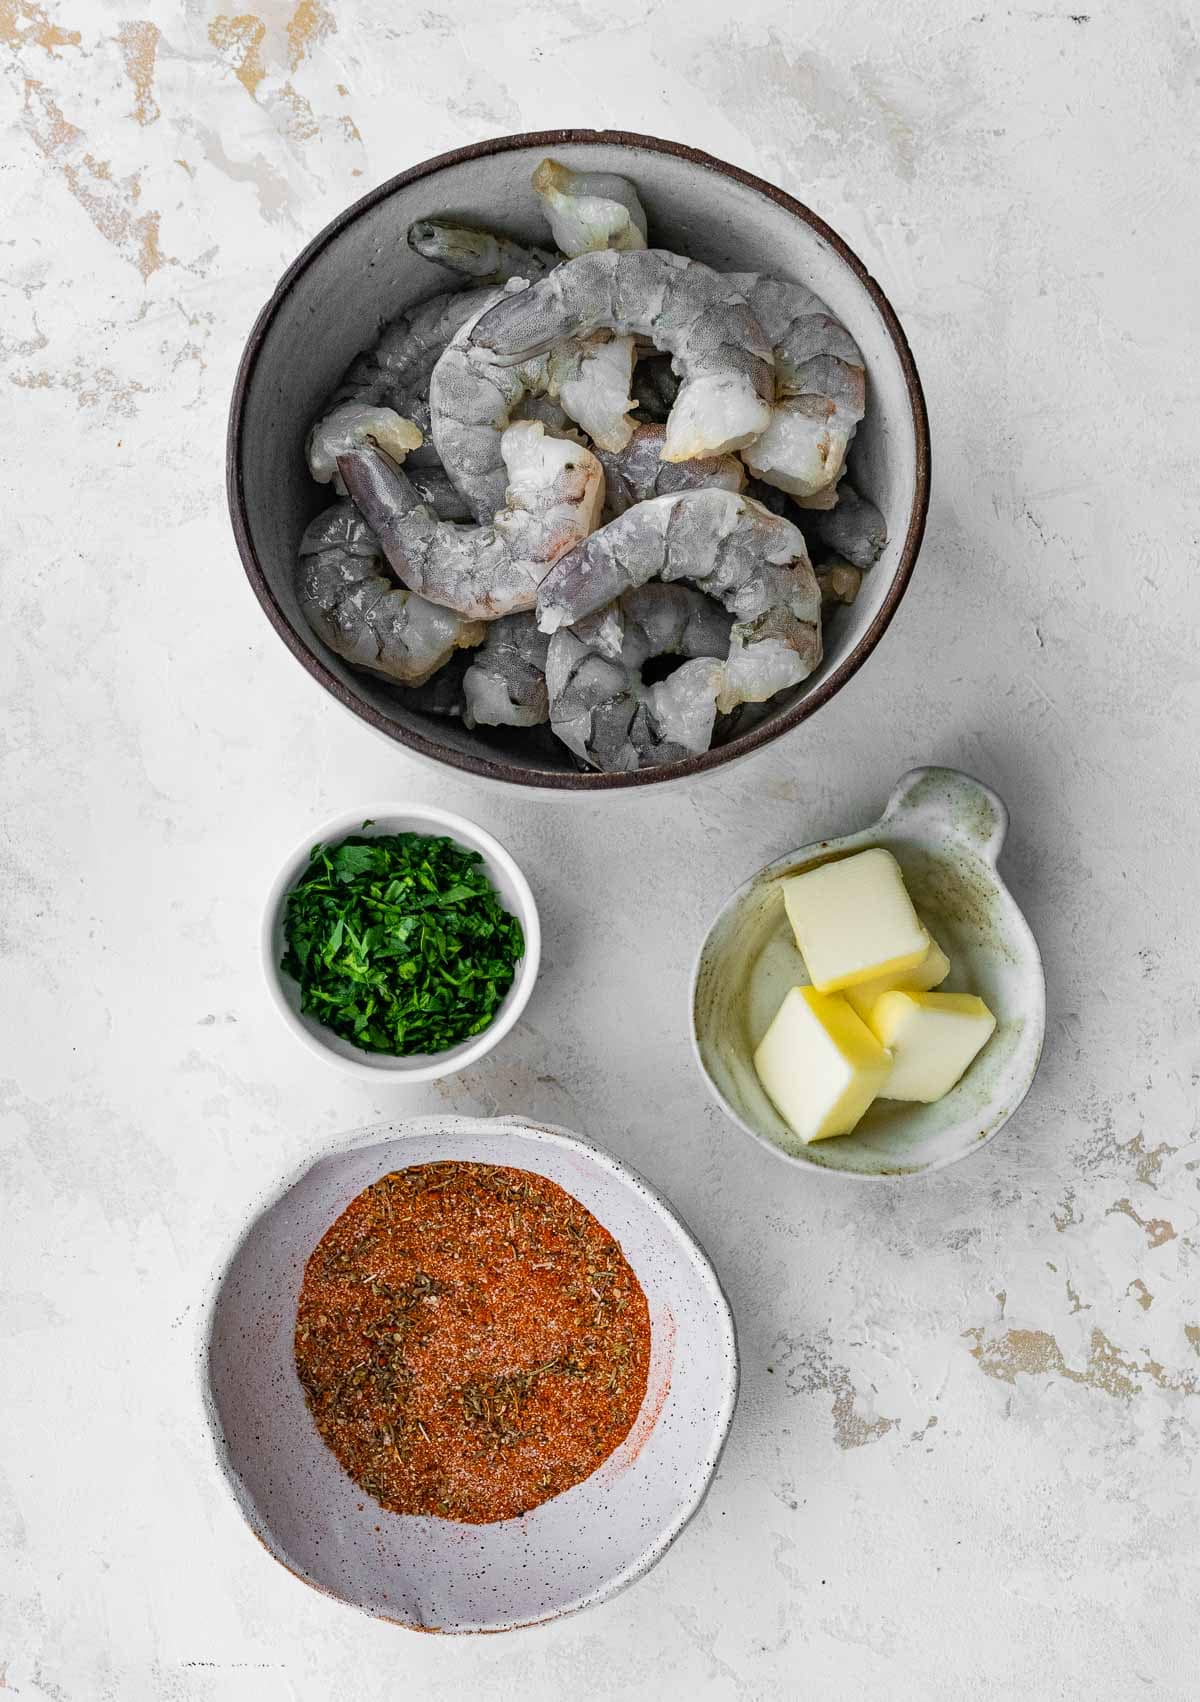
(441, 1064)
(988, 854)
(372, 1134)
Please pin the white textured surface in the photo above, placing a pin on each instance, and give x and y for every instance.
(964, 1464)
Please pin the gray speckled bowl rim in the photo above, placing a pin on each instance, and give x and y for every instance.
(729, 1373)
(875, 833)
(513, 773)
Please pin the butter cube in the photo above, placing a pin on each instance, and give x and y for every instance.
(819, 1064)
(854, 921)
(930, 972)
(933, 1037)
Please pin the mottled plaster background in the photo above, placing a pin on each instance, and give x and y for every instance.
(965, 1460)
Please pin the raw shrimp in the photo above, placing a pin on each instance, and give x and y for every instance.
(434, 487)
(752, 561)
(854, 530)
(555, 490)
(473, 398)
(638, 472)
(392, 378)
(477, 254)
(599, 707)
(505, 686)
(820, 390)
(721, 353)
(362, 614)
(589, 210)
(351, 424)
(603, 712)
(657, 620)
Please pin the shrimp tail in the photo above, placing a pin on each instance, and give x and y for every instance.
(385, 497)
(555, 489)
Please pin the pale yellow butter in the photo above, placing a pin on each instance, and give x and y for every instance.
(930, 972)
(854, 921)
(819, 1064)
(933, 1038)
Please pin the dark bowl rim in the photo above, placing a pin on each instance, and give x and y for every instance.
(498, 769)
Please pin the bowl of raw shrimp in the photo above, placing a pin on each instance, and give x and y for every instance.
(579, 461)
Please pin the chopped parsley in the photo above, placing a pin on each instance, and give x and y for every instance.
(399, 942)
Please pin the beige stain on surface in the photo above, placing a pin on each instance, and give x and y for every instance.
(1158, 1230)
(302, 123)
(1149, 1159)
(253, 51)
(240, 41)
(809, 1368)
(139, 50)
(309, 24)
(89, 387)
(25, 25)
(1141, 1294)
(109, 204)
(1035, 1353)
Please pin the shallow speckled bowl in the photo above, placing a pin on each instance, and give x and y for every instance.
(334, 298)
(511, 887)
(946, 831)
(430, 1574)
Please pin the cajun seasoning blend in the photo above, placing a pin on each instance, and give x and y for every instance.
(470, 1341)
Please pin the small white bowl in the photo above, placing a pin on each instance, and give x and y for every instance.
(430, 1574)
(946, 831)
(514, 893)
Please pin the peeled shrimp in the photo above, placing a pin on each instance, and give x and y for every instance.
(555, 489)
(752, 561)
(361, 614)
(505, 686)
(473, 398)
(721, 353)
(638, 472)
(589, 210)
(820, 390)
(478, 254)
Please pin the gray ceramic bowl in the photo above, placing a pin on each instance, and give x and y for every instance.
(359, 272)
(430, 1574)
(946, 831)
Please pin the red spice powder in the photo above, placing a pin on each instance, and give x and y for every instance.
(470, 1341)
